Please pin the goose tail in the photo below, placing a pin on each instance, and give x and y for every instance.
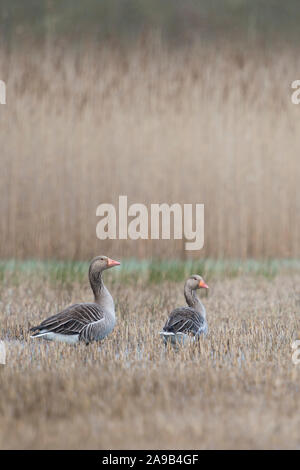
(36, 332)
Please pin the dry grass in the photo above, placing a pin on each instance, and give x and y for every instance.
(238, 389)
(201, 124)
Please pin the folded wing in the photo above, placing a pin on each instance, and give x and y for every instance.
(73, 320)
(185, 320)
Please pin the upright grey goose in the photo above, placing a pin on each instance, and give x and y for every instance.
(185, 323)
(85, 321)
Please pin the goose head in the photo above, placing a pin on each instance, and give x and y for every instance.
(99, 264)
(196, 282)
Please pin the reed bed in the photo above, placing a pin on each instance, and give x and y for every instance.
(238, 388)
(198, 124)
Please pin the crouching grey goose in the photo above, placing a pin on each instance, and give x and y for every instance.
(85, 322)
(187, 323)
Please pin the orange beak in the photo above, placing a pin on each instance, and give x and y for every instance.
(112, 262)
(202, 284)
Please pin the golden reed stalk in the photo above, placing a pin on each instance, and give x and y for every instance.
(201, 124)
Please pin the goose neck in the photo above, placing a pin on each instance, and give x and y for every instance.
(193, 300)
(102, 295)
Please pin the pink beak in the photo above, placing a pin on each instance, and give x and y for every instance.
(202, 284)
(112, 262)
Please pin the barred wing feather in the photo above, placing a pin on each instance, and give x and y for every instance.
(185, 320)
(72, 320)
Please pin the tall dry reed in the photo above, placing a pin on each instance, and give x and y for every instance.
(201, 124)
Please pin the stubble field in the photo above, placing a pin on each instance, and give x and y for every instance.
(238, 388)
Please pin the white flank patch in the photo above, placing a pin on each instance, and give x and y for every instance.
(178, 338)
(70, 339)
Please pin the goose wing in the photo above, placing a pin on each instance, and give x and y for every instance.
(72, 320)
(185, 320)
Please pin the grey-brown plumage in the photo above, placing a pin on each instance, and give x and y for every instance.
(85, 321)
(185, 322)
